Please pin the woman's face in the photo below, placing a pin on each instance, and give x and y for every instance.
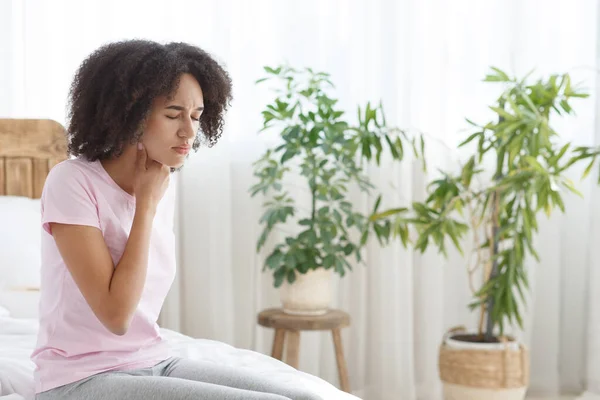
(173, 123)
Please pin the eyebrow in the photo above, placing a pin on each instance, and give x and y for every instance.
(179, 108)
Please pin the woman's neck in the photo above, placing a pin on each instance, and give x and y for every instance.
(122, 169)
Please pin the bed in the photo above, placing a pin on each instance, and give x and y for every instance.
(28, 150)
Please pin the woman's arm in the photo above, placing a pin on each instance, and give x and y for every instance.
(113, 293)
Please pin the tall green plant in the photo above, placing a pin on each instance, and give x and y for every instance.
(327, 150)
(528, 166)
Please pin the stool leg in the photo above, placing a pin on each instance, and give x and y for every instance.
(277, 351)
(293, 348)
(341, 362)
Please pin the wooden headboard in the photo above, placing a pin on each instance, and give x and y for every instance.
(29, 148)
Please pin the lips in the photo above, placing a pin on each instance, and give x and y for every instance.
(183, 150)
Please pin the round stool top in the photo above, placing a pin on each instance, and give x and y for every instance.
(276, 318)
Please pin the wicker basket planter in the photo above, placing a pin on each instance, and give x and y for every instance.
(473, 370)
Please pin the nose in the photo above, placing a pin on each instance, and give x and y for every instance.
(187, 128)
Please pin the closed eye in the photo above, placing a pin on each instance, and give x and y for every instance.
(195, 119)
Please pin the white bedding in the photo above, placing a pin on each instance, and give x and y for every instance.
(18, 337)
(589, 396)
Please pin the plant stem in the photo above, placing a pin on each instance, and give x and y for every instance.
(489, 329)
(481, 317)
(313, 191)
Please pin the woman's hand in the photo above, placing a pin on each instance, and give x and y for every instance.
(151, 180)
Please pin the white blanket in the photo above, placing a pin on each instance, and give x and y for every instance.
(589, 396)
(18, 338)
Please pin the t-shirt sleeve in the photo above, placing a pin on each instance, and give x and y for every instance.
(68, 198)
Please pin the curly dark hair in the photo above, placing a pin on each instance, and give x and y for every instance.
(113, 90)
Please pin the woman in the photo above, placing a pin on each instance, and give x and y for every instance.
(137, 108)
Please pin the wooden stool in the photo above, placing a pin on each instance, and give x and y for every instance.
(289, 326)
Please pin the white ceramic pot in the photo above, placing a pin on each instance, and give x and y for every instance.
(310, 294)
(458, 354)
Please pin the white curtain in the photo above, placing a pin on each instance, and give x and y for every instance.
(425, 61)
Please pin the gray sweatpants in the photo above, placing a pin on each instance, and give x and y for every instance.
(178, 379)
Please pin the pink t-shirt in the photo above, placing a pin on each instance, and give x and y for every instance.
(72, 343)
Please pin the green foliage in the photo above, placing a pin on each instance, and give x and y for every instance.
(328, 151)
(528, 167)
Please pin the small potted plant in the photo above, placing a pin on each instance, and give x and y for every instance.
(517, 169)
(321, 151)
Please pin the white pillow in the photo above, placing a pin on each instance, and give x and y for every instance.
(4, 313)
(20, 258)
(21, 304)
